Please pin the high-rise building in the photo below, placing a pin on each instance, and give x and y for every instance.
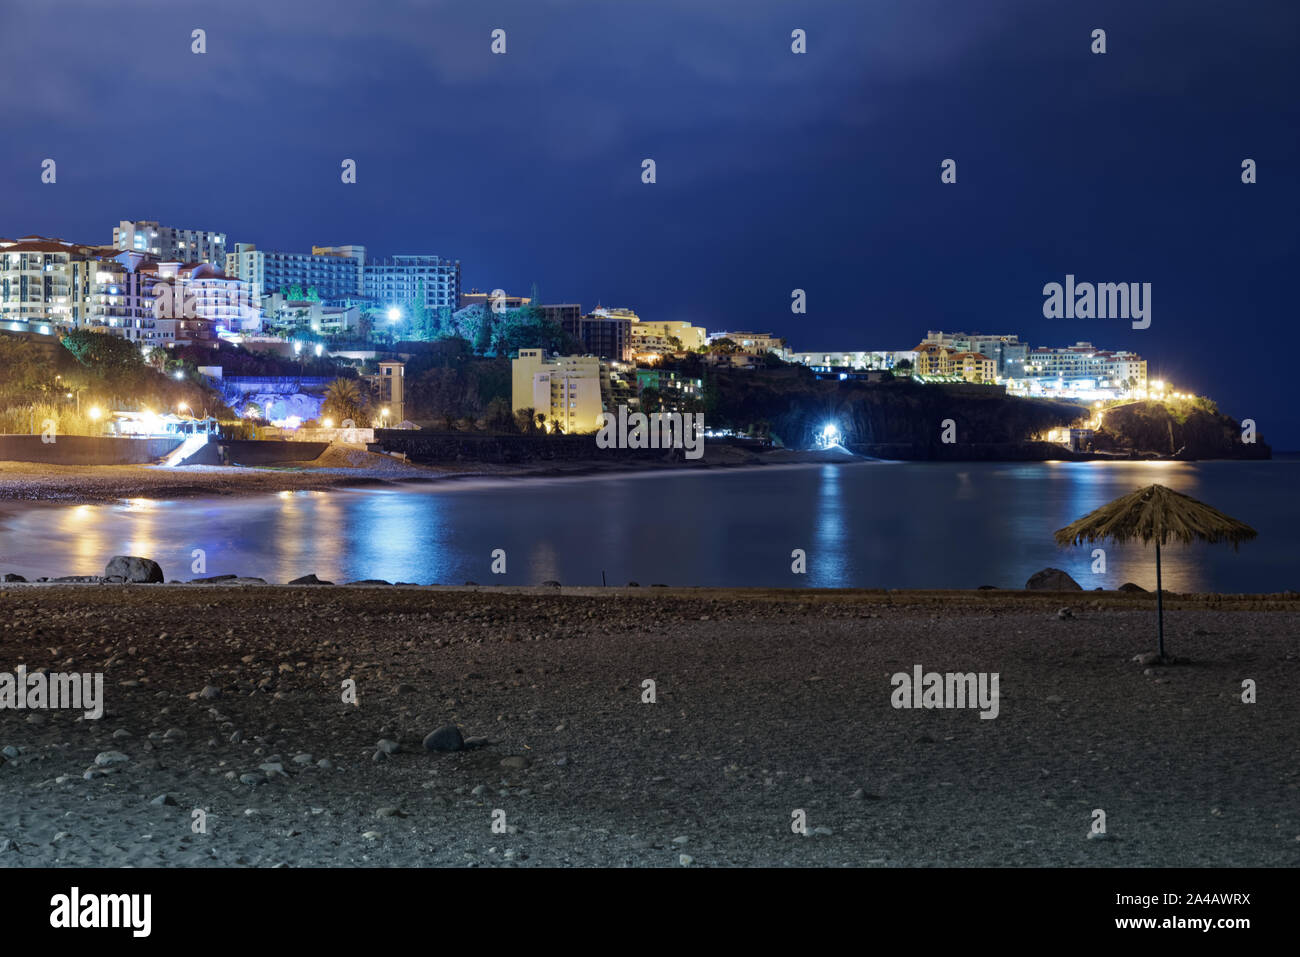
(36, 280)
(333, 276)
(608, 337)
(356, 253)
(168, 244)
(430, 281)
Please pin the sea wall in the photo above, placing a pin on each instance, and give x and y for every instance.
(429, 447)
(85, 449)
(255, 452)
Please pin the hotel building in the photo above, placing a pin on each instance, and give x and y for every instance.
(332, 276)
(570, 391)
(751, 343)
(168, 244)
(407, 279)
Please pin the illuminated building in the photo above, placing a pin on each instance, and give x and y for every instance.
(167, 244)
(570, 391)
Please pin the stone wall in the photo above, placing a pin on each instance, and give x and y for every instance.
(429, 447)
(255, 452)
(85, 449)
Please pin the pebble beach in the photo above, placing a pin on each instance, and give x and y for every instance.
(768, 707)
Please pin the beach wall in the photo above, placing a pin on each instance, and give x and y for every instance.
(347, 436)
(85, 449)
(256, 452)
(429, 447)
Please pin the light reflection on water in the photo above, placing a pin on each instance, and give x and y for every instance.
(894, 525)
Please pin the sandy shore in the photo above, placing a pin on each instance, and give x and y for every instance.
(767, 703)
(336, 468)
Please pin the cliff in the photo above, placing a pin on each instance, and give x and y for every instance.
(1193, 429)
(903, 419)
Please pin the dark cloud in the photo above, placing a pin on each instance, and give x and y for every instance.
(775, 170)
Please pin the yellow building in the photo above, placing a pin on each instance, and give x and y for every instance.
(653, 336)
(972, 366)
(570, 391)
(933, 359)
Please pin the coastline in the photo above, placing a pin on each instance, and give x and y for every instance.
(336, 469)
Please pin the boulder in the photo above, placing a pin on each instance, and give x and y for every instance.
(447, 738)
(131, 568)
(11, 577)
(309, 580)
(1052, 579)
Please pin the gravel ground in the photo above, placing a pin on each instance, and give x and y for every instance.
(768, 702)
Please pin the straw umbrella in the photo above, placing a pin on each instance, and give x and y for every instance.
(1158, 514)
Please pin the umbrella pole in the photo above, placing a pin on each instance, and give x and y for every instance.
(1160, 608)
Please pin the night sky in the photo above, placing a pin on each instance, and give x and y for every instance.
(775, 170)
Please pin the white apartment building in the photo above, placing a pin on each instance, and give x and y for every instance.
(36, 280)
(168, 244)
(266, 271)
(62, 285)
(1125, 371)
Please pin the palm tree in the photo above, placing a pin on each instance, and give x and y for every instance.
(1158, 514)
(343, 401)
